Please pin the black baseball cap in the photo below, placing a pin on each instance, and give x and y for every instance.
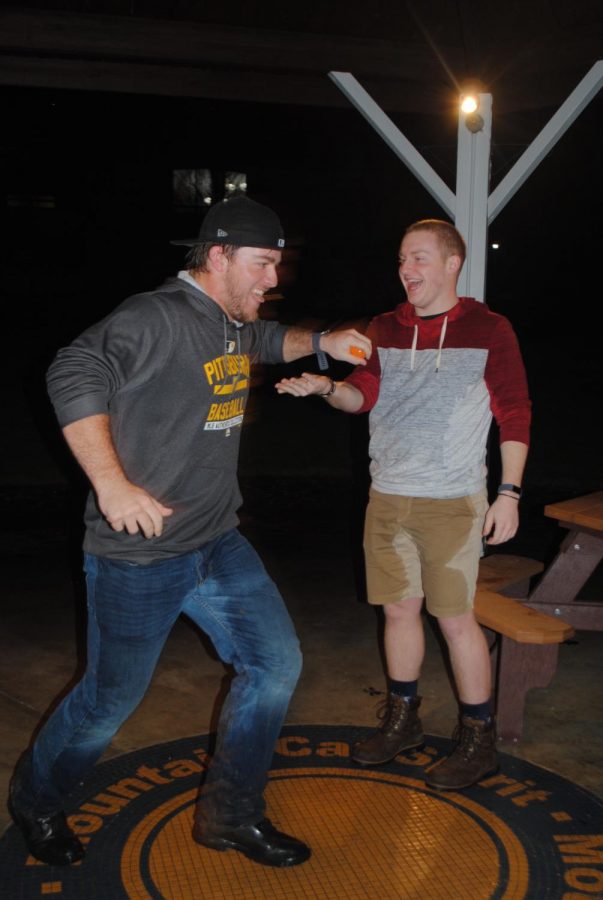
(241, 222)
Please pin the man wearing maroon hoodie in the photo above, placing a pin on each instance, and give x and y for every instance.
(443, 367)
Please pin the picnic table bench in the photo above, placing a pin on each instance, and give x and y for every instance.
(524, 642)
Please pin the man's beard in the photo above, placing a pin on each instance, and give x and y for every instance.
(235, 305)
(236, 310)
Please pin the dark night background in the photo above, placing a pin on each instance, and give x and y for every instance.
(101, 101)
(87, 181)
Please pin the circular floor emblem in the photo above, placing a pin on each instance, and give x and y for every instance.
(378, 833)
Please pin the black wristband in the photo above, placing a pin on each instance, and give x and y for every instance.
(321, 356)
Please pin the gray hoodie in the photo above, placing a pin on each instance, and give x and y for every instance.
(172, 372)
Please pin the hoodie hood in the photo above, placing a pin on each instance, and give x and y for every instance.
(406, 315)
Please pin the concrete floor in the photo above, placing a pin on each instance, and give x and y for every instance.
(305, 527)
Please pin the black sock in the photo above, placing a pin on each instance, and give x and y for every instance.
(481, 711)
(406, 689)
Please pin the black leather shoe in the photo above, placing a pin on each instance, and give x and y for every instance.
(48, 838)
(262, 843)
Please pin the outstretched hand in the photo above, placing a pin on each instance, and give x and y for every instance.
(304, 386)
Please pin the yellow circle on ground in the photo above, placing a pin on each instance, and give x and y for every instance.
(369, 839)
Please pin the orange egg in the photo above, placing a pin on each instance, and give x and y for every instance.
(357, 351)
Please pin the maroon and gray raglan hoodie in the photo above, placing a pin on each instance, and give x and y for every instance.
(432, 386)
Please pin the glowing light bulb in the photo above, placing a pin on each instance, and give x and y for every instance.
(469, 104)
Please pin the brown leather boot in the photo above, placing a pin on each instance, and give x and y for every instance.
(473, 758)
(401, 730)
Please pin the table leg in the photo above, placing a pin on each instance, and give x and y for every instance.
(520, 667)
(579, 555)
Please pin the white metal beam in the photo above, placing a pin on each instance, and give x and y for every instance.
(472, 184)
(471, 208)
(548, 137)
(394, 138)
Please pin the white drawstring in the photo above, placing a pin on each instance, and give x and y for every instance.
(415, 337)
(414, 347)
(440, 345)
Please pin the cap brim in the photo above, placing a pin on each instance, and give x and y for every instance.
(261, 244)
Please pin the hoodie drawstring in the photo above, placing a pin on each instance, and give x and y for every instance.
(415, 338)
(441, 344)
(236, 375)
(414, 348)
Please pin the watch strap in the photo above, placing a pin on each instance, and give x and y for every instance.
(321, 356)
(514, 488)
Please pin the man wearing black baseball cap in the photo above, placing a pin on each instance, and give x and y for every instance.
(151, 401)
(241, 222)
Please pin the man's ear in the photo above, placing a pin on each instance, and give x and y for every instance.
(453, 263)
(217, 258)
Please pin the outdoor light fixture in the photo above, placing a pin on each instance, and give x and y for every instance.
(473, 120)
(469, 104)
(235, 183)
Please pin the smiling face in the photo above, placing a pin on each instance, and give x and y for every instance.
(428, 275)
(246, 277)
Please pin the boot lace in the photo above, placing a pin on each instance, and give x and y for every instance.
(468, 741)
(392, 713)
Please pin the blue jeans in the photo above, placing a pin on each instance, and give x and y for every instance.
(225, 590)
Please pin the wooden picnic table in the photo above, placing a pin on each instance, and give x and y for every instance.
(524, 651)
(578, 557)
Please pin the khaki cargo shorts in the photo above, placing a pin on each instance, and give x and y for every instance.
(420, 547)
